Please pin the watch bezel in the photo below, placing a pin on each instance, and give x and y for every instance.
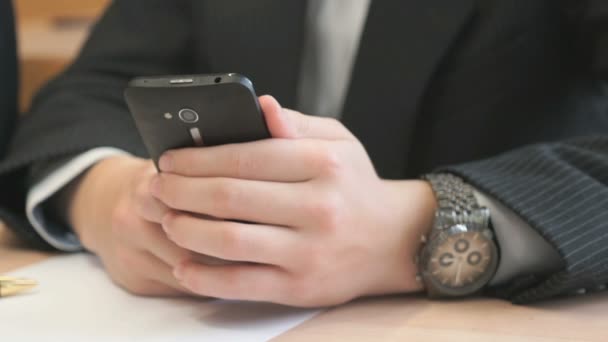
(449, 223)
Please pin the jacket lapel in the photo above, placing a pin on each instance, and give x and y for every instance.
(401, 46)
(8, 72)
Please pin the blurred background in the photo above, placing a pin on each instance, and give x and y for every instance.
(50, 34)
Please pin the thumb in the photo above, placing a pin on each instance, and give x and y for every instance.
(290, 124)
(278, 123)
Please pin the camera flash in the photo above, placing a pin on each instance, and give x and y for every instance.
(168, 116)
(195, 133)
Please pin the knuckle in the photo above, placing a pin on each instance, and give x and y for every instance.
(327, 211)
(121, 219)
(329, 162)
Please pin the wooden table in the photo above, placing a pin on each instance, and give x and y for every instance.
(50, 34)
(409, 318)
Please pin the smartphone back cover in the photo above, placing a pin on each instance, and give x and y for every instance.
(228, 113)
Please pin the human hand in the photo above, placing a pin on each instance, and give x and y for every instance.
(327, 228)
(113, 213)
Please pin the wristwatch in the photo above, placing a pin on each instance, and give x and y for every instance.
(459, 256)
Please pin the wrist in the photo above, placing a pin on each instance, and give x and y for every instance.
(91, 201)
(413, 207)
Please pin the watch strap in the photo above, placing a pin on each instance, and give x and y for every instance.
(452, 193)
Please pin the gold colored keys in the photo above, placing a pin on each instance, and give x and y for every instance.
(12, 286)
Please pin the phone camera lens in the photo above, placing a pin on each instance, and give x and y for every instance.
(188, 115)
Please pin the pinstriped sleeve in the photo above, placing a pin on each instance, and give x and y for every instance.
(560, 190)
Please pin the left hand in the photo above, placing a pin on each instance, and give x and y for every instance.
(327, 228)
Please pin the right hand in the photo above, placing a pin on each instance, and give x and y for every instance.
(115, 217)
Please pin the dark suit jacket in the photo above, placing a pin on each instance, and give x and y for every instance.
(8, 74)
(509, 94)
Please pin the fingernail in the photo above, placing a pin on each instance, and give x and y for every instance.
(155, 185)
(165, 163)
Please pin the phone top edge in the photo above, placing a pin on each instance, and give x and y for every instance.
(175, 81)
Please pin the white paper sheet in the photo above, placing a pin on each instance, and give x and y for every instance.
(76, 301)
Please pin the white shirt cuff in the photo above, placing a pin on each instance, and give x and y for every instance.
(522, 250)
(55, 234)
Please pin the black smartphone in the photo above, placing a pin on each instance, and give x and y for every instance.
(173, 112)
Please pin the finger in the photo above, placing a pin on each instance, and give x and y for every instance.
(146, 205)
(132, 273)
(148, 236)
(278, 160)
(238, 281)
(150, 208)
(286, 123)
(151, 288)
(230, 240)
(236, 199)
(151, 267)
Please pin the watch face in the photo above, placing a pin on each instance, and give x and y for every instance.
(461, 262)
